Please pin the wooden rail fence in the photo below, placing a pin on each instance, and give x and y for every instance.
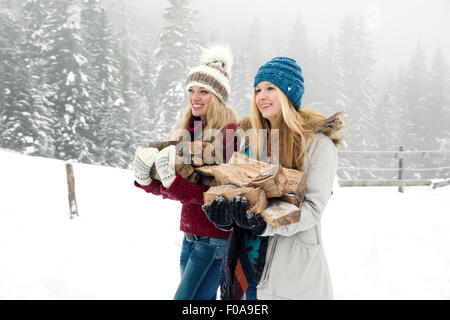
(400, 155)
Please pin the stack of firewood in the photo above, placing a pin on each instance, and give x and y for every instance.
(274, 192)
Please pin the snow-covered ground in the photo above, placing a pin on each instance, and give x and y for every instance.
(125, 244)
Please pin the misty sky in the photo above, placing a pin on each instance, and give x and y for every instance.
(397, 25)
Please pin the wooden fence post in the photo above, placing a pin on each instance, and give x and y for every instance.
(401, 186)
(71, 184)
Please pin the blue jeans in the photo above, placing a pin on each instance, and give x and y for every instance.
(200, 262)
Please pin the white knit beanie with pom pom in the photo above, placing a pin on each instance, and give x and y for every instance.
(214, 72)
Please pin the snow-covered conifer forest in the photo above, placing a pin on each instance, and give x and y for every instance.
(90, 80)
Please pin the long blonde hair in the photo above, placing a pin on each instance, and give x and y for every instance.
(219, 116)
(295, 127)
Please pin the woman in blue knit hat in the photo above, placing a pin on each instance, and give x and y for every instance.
(286, 262)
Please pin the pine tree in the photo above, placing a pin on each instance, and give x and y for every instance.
(66, 78)
(35, 14)
(101, 50)
(128, 56)
(356, 62)
(147, 87)
(419, 117)
(439, 100)
(144, 113)
(389, 119)
(177, 53)
(329, 89)
(439, 108)
(248, 59)
(34, 45)
(300, 49)
(18, 130)
(116, 137)
(110, 133)
(256, 55)
(134, 106)
(401, 100)
(241, 83)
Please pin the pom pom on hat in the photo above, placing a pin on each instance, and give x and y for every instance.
(220, 55)
(213, 73)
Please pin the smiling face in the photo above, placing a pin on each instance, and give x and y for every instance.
(267, 100)
(199, 98)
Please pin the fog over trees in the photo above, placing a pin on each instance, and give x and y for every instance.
(90, 80)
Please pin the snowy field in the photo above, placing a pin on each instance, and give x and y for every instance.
(125, 244)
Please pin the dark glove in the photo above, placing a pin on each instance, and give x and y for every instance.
(218, 213)
(245, 218)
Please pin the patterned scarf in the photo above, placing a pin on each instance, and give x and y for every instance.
(244, 260)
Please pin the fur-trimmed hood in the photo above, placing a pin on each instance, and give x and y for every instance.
(332, 128)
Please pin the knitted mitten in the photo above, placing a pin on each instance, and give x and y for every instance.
(142, 164)
(165, 165)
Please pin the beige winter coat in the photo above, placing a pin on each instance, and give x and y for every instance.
(296, 267)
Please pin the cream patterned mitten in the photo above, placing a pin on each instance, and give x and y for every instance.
(165, 165)
(144, 159)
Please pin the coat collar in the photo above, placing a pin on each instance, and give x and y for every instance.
(195, 123)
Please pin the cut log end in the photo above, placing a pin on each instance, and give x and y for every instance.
(161, 144)
(280, 213)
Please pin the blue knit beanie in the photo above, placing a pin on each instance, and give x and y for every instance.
(286, 74)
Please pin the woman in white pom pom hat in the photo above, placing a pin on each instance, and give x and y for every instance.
(204, 243)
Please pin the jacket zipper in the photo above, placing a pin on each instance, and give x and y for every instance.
(266, 274)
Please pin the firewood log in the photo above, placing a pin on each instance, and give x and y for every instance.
(197, 153)
(256, 197)
(296, 183)
(198, 161)
(292, 198)
(243, 171)
(161, 144)
(209, 154)
(206, 180)
(281, 213)
(198, 147)
(206, 170)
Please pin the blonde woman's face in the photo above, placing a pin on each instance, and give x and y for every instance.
(199, 99)
(267, 100)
